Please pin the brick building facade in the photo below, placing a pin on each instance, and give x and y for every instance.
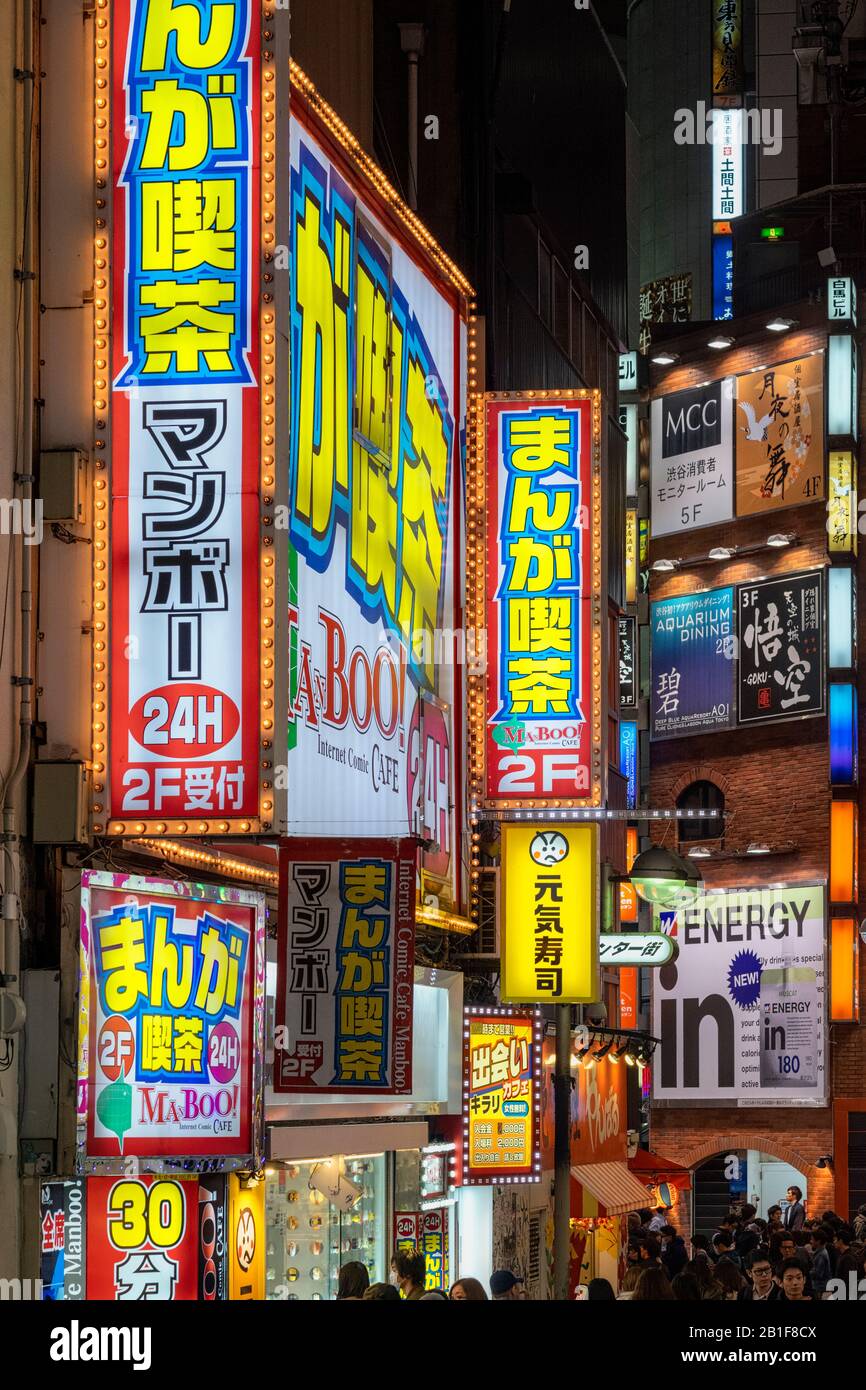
(776, 787)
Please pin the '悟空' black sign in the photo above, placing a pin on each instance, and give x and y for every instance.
(781, 648)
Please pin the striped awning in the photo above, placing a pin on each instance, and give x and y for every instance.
(616, 1190)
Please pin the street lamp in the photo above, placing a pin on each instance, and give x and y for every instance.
(662, 877)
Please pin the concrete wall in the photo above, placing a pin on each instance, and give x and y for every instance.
(670, 66)
(777, 91)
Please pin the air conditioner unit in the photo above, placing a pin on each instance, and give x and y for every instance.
(60, 806)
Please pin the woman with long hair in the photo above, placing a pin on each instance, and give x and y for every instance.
(353, 1283)
(468, 1291)
(730, 1279)
(653, 1286)
(705, 1275)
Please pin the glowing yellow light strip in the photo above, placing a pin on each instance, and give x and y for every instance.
(304, 88)
(445, 921)
(219, 863)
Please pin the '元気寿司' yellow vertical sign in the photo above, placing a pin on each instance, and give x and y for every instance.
(550, 915)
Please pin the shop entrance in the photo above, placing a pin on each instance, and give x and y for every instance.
(727, 1181)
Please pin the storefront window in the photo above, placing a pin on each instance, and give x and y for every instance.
(308, 1238)
(417, 1225)
(407, 1180)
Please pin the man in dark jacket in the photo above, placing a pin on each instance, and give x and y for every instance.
(763, 1287)
(820, 1269)
(794, 1213)
(674, 1254)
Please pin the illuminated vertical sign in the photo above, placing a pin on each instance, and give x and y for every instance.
(627, 372)
(629, 996)
(628, 421)
(842, 417)
(628, 900)
(727, 48)
(841, 617)
(550, 892)
(537, 734)
(177, 407)
(502, 1084)
(843, 735)
(631, 555)
(628, 674)
(842, 514)
(723, 275)
(345, 966)
(842, 300)
(728, 163)
(628, 759)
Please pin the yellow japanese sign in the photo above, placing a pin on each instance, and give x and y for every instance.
(550, 915)
(631, 556)
(502, 1096)
(842, 515)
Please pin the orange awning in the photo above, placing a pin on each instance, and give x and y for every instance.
(616, 1190)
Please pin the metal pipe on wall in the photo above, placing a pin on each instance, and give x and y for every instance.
(412, 38)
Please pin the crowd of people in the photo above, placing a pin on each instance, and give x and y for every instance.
(407, 1283)
(786, 1256)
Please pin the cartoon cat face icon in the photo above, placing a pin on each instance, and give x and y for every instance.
(245, 1239)
(548, 847)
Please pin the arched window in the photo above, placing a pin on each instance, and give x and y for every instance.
(701, 797)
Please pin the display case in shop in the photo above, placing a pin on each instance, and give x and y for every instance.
(309, 1238)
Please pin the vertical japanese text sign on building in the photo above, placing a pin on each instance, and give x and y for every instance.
(172, 984)
(177, 406)
(728, 164)
(550, 891)
(537, 735)
(379, 344)
(345, 966)
(502, 1094)
(782, 648)
(727, 48)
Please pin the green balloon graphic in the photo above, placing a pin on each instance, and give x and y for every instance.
(510, 733)
(114, 1108)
